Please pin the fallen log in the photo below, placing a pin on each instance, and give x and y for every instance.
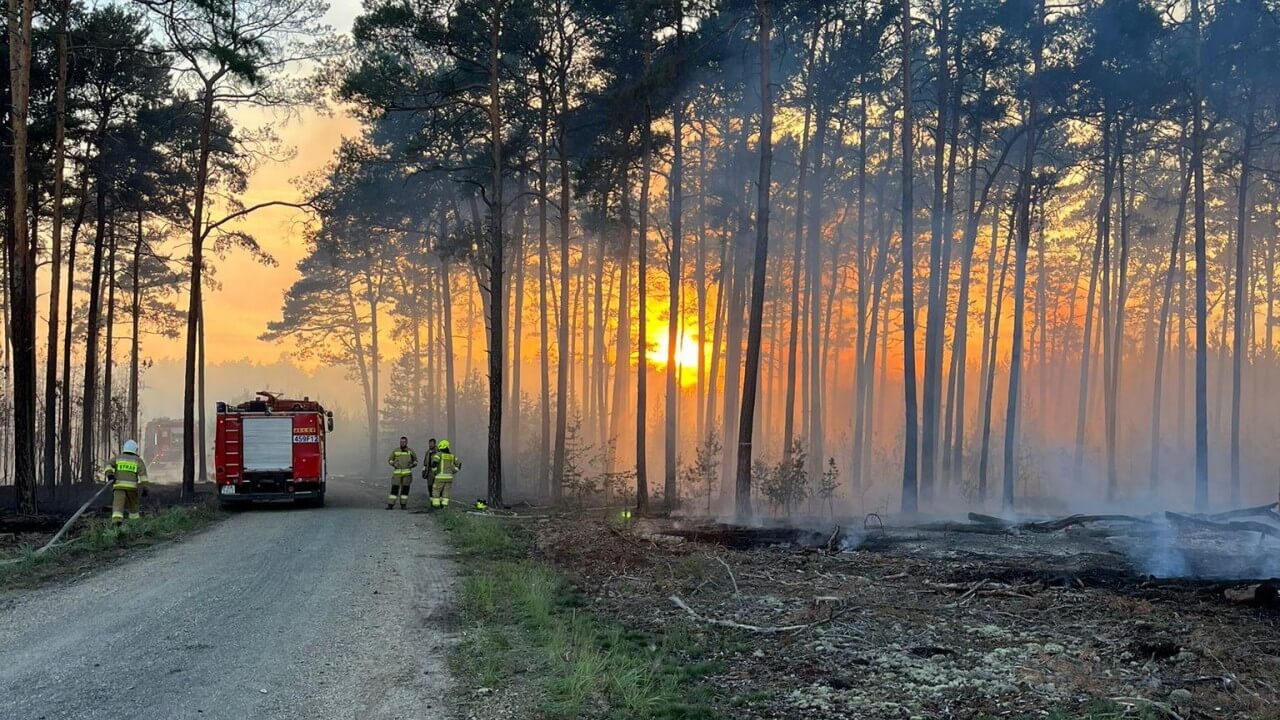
(1268, 510)
(738, 537)
(1071, 520)
(959, 527)
(1045, 526)
(1190, 521)
(988, 520)
(1264, 594)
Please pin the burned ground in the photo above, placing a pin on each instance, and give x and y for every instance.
(943, 622)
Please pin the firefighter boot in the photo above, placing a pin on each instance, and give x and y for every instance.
(393, 496)
(118, 501)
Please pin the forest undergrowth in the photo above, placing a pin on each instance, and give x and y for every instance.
(935, 625)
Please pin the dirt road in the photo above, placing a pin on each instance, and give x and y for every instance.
(278, 613)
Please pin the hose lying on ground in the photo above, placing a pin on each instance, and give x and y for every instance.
(66, 526)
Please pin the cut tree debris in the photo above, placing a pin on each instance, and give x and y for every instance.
(910, 622)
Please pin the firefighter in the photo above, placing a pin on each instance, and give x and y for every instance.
(402, 461)
(126, 472)
(447, 465)
(429, 472)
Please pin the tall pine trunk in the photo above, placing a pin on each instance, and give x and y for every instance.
(1165, 301)
(64, 435)
(1086, 356)
(1020, 268)
(55, 256)
(910, 489)
(544, 362)
(642, 276)
(135, 343)
(90, 401)
(676, 207)
(562, 323)
(750, 379)
(22, 265)
(517, 335)
(1202, 311)
(196, 301)
(1239, 348)
(108, 355)
(936, 317)
(989, 379)
(497, 326)
(622, 350)
(700, 288)
(788, 422)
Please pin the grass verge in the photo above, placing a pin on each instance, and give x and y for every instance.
(524, 629)
(97, 538)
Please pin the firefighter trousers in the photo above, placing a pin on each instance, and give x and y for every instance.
(400, 489)
(440, 492)
(124, 500)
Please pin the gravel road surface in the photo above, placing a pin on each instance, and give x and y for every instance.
(338, 612)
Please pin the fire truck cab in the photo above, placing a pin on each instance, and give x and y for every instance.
(271, 449)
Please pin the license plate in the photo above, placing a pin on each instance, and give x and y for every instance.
(227, 490)
(306, 439)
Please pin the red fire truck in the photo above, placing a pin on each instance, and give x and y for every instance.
(162, 442)
(271, 449)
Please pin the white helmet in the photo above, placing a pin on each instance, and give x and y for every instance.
(130, 447)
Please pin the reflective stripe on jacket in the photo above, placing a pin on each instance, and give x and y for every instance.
(402, 461)
(448, 465)
(126, 471)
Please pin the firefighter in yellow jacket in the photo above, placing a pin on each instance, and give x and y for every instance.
(402, 461)
(447, 465)
(127, 473)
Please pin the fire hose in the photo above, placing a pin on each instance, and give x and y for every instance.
(66, 526)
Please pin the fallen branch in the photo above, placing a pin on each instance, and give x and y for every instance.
(831, 541)
(983, 588)
(1233, 526)
(729, 570)
(767, 630)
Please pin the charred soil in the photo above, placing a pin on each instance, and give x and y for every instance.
(92, 540)
(931, 623)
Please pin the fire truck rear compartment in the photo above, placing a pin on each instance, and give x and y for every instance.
(270, 457)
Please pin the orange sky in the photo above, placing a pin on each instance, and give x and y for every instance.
(251, 294)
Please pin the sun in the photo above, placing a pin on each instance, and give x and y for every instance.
(687, 349)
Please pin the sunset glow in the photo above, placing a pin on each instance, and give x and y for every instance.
(687, 349)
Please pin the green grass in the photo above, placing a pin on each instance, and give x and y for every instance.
(524, 625)
(97, 536)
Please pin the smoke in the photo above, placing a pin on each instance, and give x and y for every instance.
(1176, 553)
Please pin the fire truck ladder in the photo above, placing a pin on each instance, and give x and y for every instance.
(233, 435)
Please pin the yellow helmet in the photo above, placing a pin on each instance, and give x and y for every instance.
(443, 445)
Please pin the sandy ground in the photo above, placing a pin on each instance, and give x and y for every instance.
(338, 612)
